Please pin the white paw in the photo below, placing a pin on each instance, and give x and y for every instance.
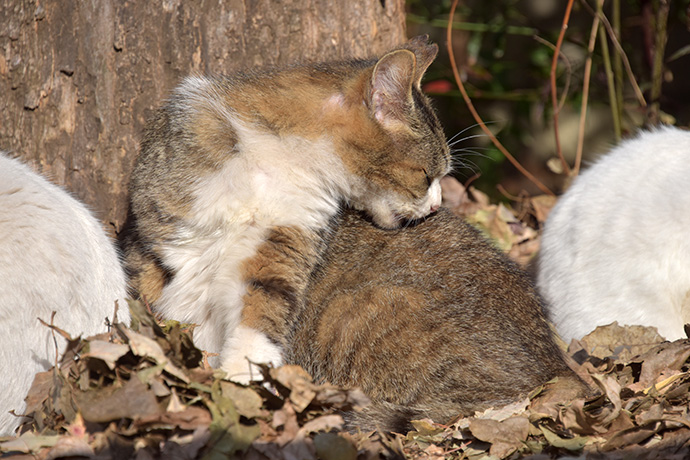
(244, 346)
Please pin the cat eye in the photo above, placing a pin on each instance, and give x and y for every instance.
(428, 179)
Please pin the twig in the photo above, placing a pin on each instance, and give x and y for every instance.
(621, 52)
(585, 95)
(617, 64)
(469, 181)
(473, 111)
(568, 72)
(609, 75)
(502, 190)
(554, 95)
(472, 26)
(658, 63)
(53, 329)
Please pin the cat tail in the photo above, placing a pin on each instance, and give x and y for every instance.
(383, 416)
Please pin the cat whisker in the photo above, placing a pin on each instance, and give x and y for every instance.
(472, 151)
(466, 138)
(465, 163)
(467, 129)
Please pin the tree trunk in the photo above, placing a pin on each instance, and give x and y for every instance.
(79, 78)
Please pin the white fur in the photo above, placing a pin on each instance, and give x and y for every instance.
(616, 246)
(286, 181)
(268, 181)
(54, 256)
(389, 209)
(247, 343)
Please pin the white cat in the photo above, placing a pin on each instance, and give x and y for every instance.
(617, 245)
(54, 256)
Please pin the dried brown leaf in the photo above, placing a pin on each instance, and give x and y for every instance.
(108, 352)
(453, 192)
(146, 347)
(669, 356)
(132, 400)
(331, 446)
(285, 418)
(71, 446)
(247, 401)
(505, 437)
(619, 342)
(610, 387)
(628, 437)
(302, 390)
(542, 206)
(28, 442)
(322, 423)
(191, 418)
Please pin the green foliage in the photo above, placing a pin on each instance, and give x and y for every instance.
(505, 49)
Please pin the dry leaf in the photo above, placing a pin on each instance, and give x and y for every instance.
(331, 446)
(132, 400)
(146, 347)
(107, 352)
(506, 437)
(620, 342)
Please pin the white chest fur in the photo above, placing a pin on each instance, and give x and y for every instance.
(268, 181)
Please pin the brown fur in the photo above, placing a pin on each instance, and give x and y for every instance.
(430, 321)
(277, 277)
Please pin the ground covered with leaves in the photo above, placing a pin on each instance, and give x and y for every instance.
(142, 393)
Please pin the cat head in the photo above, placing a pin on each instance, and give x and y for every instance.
(395, 148)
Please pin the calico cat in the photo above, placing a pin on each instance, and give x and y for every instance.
(430, 321)
(235, 173)
(615, 247)
(54, 257)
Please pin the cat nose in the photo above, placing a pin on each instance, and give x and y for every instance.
(433, 208)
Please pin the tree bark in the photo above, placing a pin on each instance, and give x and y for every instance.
(79, 78)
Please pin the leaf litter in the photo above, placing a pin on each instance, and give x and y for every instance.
(144, 392)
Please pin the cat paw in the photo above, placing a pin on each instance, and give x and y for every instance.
(248, 346)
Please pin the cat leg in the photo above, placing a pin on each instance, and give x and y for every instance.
(247, 346)
(276, 277)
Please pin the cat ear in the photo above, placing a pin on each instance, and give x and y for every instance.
(391, 87)
(425, 53)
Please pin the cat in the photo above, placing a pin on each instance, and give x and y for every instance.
(236, 172)
(54, 257)
(615, 246)
(430, 321)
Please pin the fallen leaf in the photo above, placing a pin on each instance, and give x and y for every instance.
(145, 347)
(28, 442)
(322, 423)
(618, 342)
(574, 443)
(107, 352)
(247, 401)
(70, 446)
(299, 382)
(189, 418)
(671, 355)
(505, 437)
(132, 400)
(542, 206)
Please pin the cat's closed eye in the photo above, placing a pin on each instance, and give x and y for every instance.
(426, 176)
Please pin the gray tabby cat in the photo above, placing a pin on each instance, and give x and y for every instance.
(430, 321)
